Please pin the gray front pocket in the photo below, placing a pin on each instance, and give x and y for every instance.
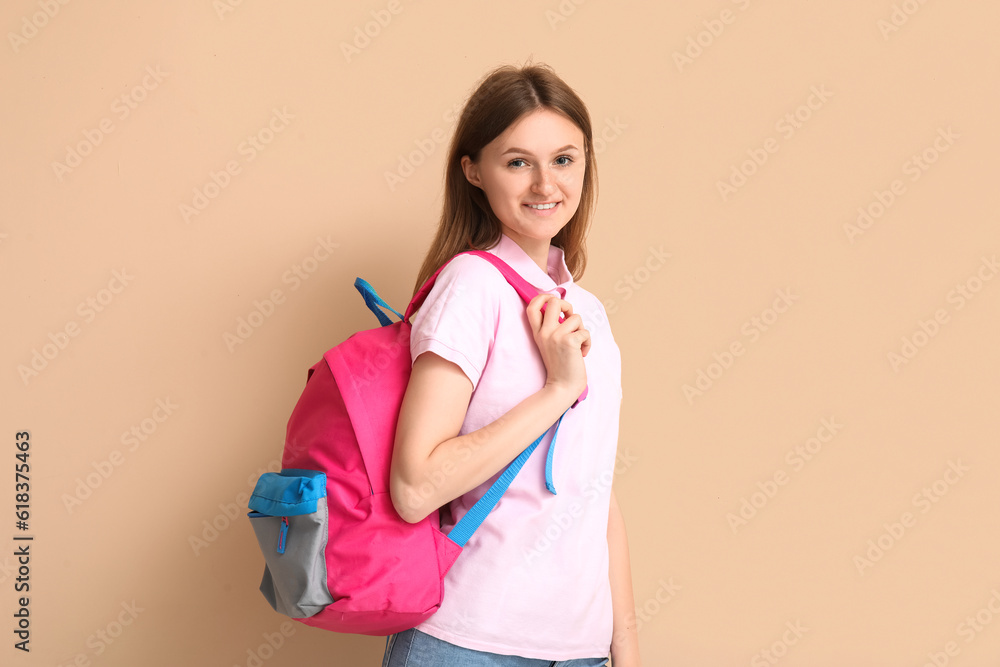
(290, 520)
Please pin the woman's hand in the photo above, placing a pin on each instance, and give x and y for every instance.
(563, 345)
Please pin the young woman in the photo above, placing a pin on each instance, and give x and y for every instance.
(545, 580)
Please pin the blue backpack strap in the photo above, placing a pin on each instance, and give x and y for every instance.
(373, 301)
(474, 518)
(549, 484)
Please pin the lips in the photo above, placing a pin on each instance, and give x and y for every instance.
(543, 206)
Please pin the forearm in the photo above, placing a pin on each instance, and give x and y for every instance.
(463, 462)
(625, 637)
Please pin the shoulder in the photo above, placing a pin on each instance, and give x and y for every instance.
(466, 279)
(470, 275)
(470, 266)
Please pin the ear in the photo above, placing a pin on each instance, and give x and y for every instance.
(471, 170)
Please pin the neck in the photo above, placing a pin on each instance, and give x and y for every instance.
(536, 249)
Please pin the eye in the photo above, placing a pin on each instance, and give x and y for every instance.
(568, 159)
(511, 163)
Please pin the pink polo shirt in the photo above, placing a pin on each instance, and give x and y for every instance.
(533, 580)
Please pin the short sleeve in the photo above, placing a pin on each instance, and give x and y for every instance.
(458, 318)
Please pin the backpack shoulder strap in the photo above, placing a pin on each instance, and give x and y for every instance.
(524, 289)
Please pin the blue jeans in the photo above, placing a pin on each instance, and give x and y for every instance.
(413, 648)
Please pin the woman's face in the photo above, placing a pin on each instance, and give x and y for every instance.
(538, 161)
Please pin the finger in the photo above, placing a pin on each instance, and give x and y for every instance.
(566, 311)
(565, 308)
(537, 302)
(536, 310)
(575, 322)
(534, 314)
(540, 301)
(552, 311)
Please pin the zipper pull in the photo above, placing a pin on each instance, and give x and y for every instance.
(282, 534)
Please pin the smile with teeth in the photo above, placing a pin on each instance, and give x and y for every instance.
(543, 207)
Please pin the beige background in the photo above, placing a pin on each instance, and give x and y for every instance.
(895, 78)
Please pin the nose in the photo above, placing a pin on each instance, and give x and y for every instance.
(544, 181)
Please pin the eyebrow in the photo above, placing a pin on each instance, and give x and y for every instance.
(514, 149)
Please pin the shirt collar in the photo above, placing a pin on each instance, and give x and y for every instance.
(558, 277)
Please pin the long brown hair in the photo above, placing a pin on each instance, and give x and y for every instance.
(502, 97)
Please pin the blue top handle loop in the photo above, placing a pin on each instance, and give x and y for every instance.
(373, 301)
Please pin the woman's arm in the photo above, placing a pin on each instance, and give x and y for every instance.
(432, 465)
(625, 638)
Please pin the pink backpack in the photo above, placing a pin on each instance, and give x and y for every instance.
(337, 555)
